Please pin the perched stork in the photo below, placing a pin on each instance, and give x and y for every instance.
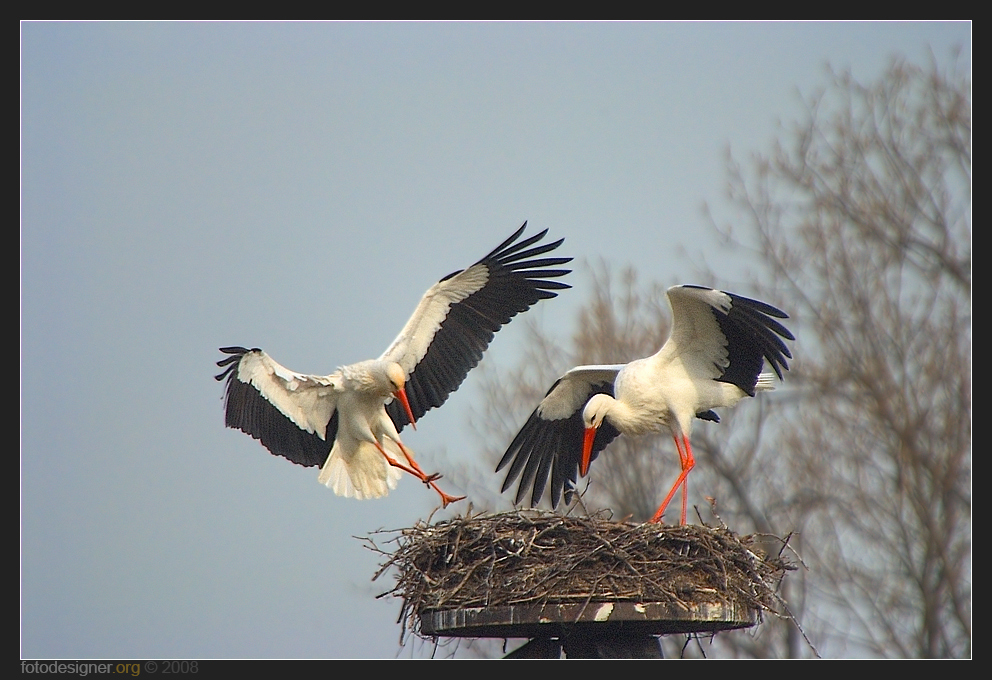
(713, 358)
(348, 422)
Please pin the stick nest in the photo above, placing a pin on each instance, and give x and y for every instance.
(537, 557)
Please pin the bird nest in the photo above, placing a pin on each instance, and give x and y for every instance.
(534, 558)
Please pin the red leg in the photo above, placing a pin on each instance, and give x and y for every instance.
(395, 463)
(685, 455)
(688, 462)
(419, 474)
(409, 457)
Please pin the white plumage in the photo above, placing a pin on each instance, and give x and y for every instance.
(348, 422)
(712, 359)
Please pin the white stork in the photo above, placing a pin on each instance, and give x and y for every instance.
(712, 359)
(348, 422)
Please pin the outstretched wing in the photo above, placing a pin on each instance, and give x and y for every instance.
(550, 442)
(458, 317)
(292, 414)
(726, 337)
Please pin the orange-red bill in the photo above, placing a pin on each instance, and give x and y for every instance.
(401, 395)
(587, 450)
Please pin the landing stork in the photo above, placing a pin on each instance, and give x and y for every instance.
(348, 422)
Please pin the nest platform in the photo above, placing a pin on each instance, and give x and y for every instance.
(541, 575)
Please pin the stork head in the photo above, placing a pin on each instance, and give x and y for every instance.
(397, 380)
(592, 417)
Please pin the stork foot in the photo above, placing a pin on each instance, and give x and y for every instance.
(446, 499)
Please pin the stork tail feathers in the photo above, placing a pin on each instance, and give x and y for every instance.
(366, 475)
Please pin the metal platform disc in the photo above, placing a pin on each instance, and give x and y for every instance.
(551, 620)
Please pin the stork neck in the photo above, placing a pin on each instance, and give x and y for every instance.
(631, 420)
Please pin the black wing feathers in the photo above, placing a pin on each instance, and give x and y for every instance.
(247, 410)
(518, 278)
(554, 447)
(752, 337)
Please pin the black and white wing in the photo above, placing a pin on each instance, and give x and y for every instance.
(458, 317)
(550, 442)
(726, 337)
(292, 414)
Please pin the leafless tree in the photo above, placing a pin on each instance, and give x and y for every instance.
(859, 225)
(864, 224)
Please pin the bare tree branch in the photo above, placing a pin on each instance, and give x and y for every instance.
(859, 224)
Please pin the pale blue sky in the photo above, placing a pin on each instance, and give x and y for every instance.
(297, 187)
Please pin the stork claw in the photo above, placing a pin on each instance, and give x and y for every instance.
(446, 499)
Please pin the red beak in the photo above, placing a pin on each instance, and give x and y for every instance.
(401, 395)
(587, 450)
